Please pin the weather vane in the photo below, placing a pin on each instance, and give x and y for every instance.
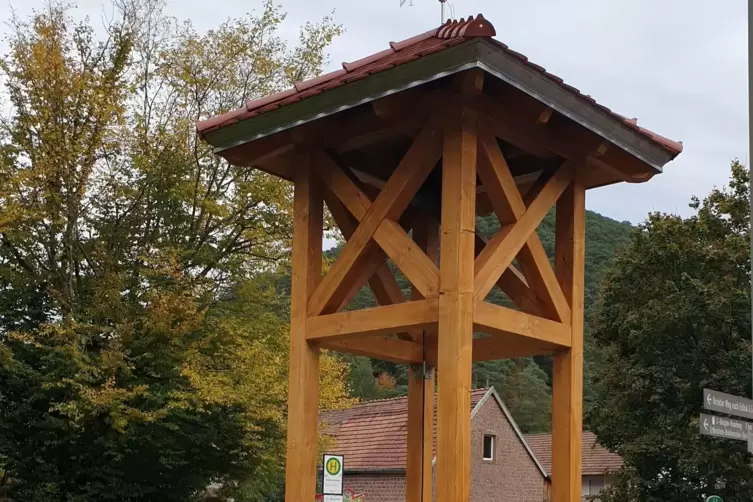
(441, 3)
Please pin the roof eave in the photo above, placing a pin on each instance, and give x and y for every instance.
(405, 76)
(474, 53)
(522, 76)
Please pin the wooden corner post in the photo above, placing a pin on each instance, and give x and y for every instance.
(303, 390)
(567, 371)
(419, 460)
(455, 328)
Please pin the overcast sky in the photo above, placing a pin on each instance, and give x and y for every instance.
(679, 66)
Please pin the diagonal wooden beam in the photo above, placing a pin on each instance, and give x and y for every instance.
(394, 198)
(513, 283)
(388, 234)
(379, 347)
(510, 207)
(507, 242)
(373, 321)
(380, 278)
(493, 319)
(375, 270)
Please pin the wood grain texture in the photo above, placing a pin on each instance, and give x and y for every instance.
(390, 236)
(503, 247)
(494, 319)
(378, 347)
(373, 321)
(382, 213)
(514, 284)
(567, 368)
(509, 206)
(418, 466)
(455, 356)
(303, 388)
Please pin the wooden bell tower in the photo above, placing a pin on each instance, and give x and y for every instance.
(405, 148)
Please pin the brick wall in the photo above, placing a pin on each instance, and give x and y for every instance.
(377, 487)
(512, 475)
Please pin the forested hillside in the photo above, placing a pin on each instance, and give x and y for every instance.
(525, 384)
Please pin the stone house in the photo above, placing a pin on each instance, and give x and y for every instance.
(506, 466)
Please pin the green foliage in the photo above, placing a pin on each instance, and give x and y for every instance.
(137, 298)
(674, 318)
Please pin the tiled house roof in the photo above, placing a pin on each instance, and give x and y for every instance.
(597, 460)
(439, 39)
(373, 435)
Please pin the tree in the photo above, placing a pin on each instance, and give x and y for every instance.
(142, 338)
(673, 319)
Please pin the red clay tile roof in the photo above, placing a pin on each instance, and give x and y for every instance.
(373, 435)
(596, 459)
(438, 39)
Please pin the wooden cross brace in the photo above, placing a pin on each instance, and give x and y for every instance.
(373, 233)
(452, 269)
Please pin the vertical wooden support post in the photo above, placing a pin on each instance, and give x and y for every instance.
(454, 359)
(303, 391)
(567, 371)
(418, 470)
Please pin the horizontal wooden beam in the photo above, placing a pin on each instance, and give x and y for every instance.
(378, 347)
(493, 319)
(382, 320)
(499, 346)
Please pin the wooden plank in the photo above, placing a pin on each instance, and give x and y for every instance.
(384, 348)
(303, 388)
(510, 207)
(494, 319)
(504, 246)
(390, 236)
(567, 368)
(514, 285)
(380, 278)
(389, 205)
(376, 270)
(418, 466)
(497, 347)
(373, 321)
(455, 356)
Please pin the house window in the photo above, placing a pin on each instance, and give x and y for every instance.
(592, 485)
(488, 447)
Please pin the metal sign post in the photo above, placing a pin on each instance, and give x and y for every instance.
(723, 427)
(332, 477)
(727, 403)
